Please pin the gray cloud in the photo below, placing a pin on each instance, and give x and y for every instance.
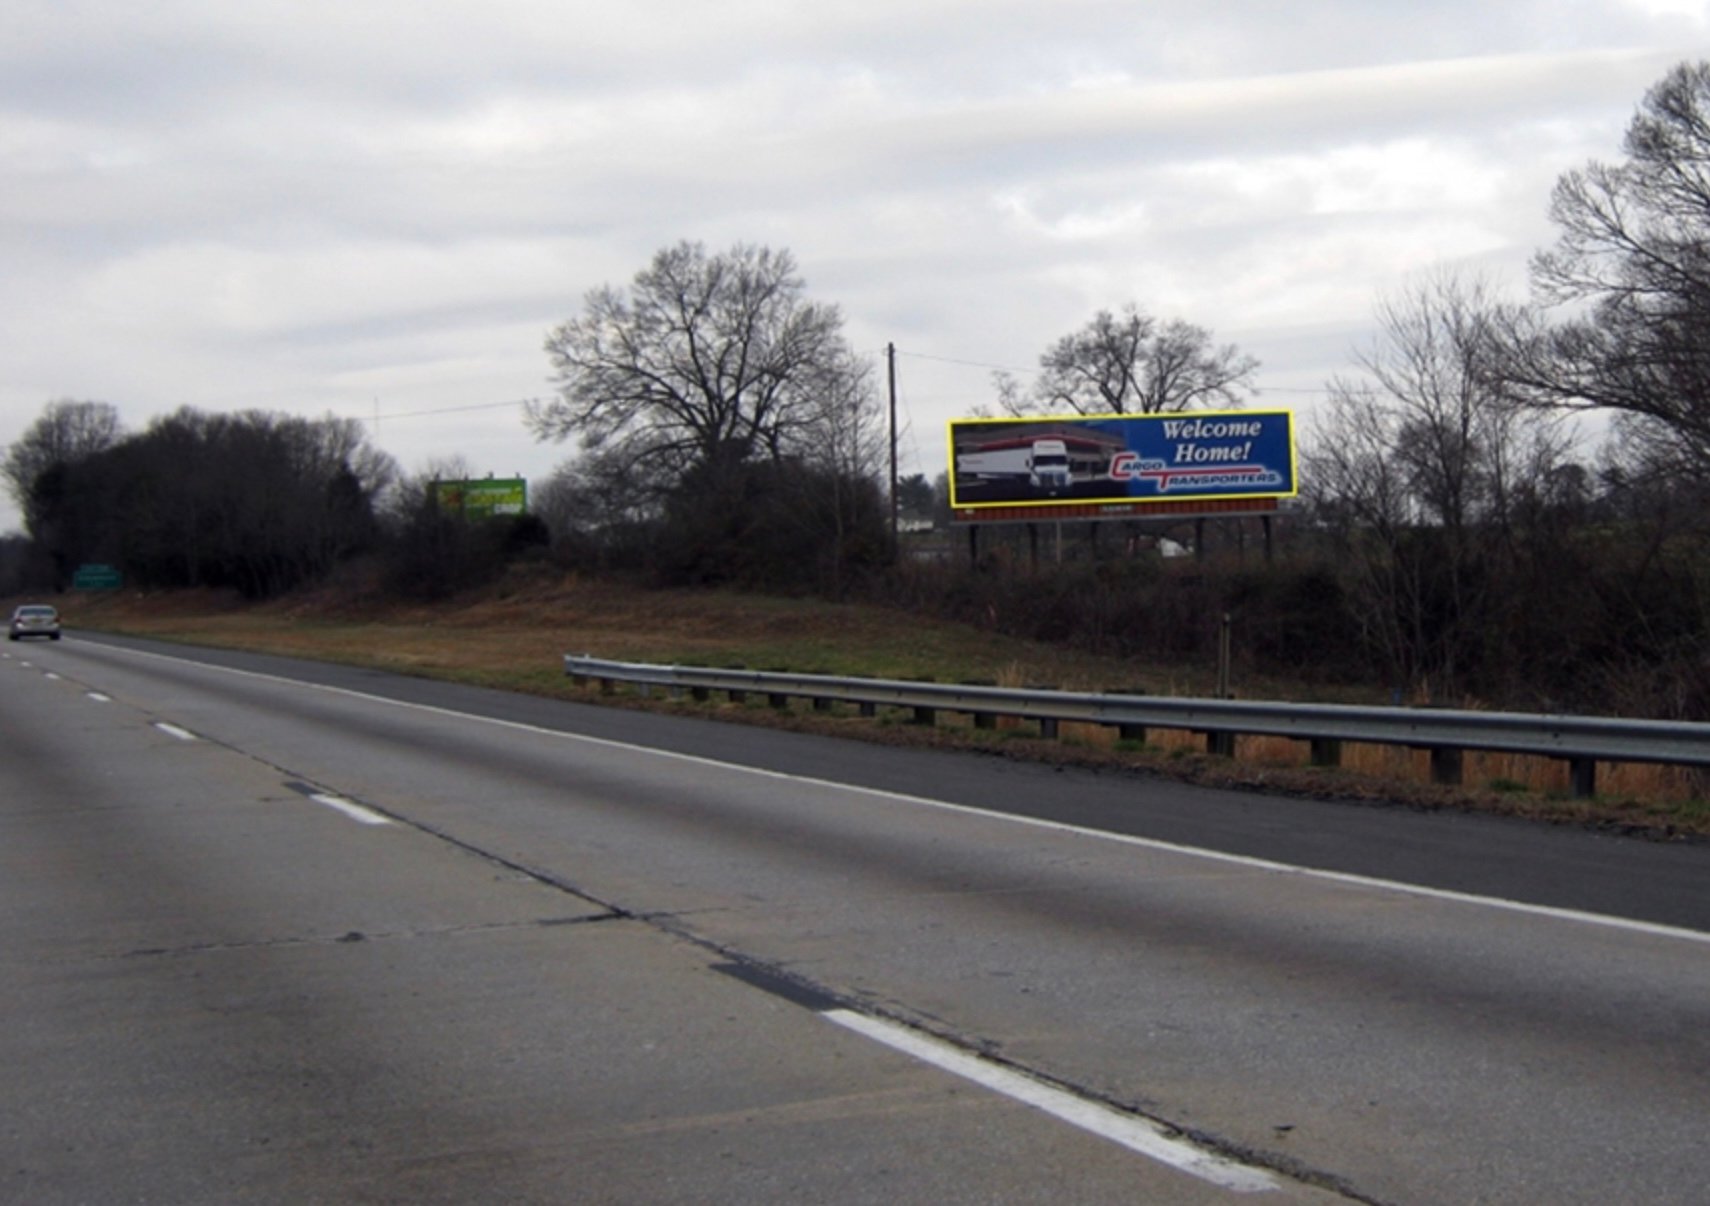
(327, 206)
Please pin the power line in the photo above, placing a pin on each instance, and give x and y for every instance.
(1002, 368)
(452, 410)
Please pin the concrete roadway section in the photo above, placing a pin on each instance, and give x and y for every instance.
(220, 983)
(1397, 1045)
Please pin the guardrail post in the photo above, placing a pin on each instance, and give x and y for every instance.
(1130, 732)
(1446, 766)
(780, 702)
(699, 694)
(821, 704)
(868, 709)
(1582, 777)
(736, 695)
(1047, 724)
(1221, 745)
(926, 716)
(1326, 751)
(608, 686)
(983, 720)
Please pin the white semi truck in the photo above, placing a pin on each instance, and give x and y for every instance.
(1044, 463)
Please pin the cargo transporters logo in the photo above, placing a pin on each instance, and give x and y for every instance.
(1121, 459)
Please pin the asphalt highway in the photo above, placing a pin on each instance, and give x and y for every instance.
(278, 931)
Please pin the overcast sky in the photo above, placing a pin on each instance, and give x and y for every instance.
(379, 209)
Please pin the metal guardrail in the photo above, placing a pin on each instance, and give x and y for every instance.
(1580, 741)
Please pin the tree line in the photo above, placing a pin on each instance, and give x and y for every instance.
(255, 502)
(1500, 499)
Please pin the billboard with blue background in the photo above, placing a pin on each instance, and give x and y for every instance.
(1122, 458)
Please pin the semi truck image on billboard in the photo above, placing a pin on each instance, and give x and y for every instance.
(1121, 458)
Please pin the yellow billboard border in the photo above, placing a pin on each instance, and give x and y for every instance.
(1293, 458)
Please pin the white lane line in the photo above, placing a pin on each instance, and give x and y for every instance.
(172, 730)
(355, 812)
(51, 677)
(1501, 904)
(1136, 1134)
(98, 697)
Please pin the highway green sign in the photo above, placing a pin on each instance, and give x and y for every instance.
(97, 577)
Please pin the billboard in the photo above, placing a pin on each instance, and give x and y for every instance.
(1110, 459)
(483, 499)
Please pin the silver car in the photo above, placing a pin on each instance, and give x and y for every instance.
(34, 619)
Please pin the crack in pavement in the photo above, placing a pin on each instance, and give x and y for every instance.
(354, 936)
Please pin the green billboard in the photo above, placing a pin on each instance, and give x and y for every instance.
(483, 499)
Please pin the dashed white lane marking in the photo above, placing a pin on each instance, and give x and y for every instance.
(51, 677)
(98, 697)
(172, 730)
(1136, 1134)
(1501, 904)
(355, 812)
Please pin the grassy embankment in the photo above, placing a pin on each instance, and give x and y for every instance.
(514, 637)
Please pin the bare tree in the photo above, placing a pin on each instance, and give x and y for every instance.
(67, 432)
(1419, 467)
(836, 425)
(1358, 490)
(560, 500)
(594, 507)
(407, 495)
(705, 358)
(731, 410)
(1633, 257)
(1129, 363)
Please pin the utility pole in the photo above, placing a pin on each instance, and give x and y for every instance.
(891, 377)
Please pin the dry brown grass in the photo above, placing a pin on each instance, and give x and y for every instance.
(514, 637)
